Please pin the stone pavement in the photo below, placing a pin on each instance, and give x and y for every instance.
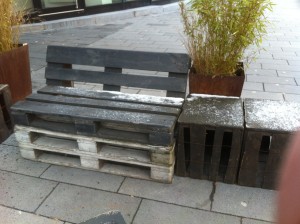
(33, 192)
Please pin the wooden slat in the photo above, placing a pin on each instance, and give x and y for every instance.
(122, 97)
(167, 62)
(112, 87)
(59, 82)
(116, 79)
(250, 157)
(232, 167)
(162, 123)
(105, 104)
(216, 154)
(197, 151)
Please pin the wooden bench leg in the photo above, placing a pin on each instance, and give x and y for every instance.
(29, 153)
(89, 162)
(25, 136)
(163, 174)
(87, 146)
(166, 158)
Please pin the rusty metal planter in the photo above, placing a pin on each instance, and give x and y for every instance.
(219, 85)
(15, 71)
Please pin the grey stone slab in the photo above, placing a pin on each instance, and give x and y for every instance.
(252, 221)
(183, 191)
(23, 192)
(270, 79)
(277, 88)
(261, 95)
(11, 140)
(78, 204)
(292, 97)
(281, 67)
(11, 160)
(253, 86)
(265, 72)
(247, 202)
(298, 81)
(84, 178)
(294, 62)
(151, 212)
(288, 74)
(13, 216)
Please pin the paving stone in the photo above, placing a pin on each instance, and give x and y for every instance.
(13, 216)
(23, 192)
(11, 160)
(292, 97)
(294, 62)
(183, 191)
(265, 72)
(247, 202)
(281, 67)
(84, 178)
(270, 79)
(253, 86)
(11, 140)
(252, 221)
(261, 95)
(157, 212)
(288, 74)
(78, 204)
(298, 81)
(277, 88)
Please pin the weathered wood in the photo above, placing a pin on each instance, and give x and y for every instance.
(142, 121)
(80, 138)
(105, 104)
(197, 152)
(122, 97)
(216, 154)
(58, 82)
(180, 165)
(6, 122)
(250, 156)
(233, 163)
(167, 62)
(116, 80)
(112, 87)
(182, 94)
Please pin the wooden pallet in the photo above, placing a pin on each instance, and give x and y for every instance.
(96, 154)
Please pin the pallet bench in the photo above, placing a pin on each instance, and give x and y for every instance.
(105, 128)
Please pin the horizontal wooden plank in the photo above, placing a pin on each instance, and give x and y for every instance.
(160, 123)
(105, 104)
(166, 62)
(117, 79)
(134, 145)
(113, 96)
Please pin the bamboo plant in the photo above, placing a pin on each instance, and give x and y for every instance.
(219, 31)
(10, 20)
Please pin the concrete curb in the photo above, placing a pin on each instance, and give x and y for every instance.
(98, 19)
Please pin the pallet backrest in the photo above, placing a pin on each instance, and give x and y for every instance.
(60, 60)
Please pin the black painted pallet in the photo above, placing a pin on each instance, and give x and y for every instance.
(109, 118)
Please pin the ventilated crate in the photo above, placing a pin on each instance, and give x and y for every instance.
(5, 118)
(268, 126)
(210, 137)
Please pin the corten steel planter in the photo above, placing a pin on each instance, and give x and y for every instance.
(219, 85)
(15, 71)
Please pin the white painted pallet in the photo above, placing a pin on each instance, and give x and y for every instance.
(83, 152)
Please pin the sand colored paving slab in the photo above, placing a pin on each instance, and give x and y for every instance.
(183, 191)
(248, 202)
(13, 216)
(11, 160)
(78, 204)
(156, 212)
(23, 192)
(84, 178)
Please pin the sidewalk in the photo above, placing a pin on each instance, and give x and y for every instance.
(33, 192)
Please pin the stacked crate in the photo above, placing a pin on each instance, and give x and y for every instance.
(268, 126)
(210, 138)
